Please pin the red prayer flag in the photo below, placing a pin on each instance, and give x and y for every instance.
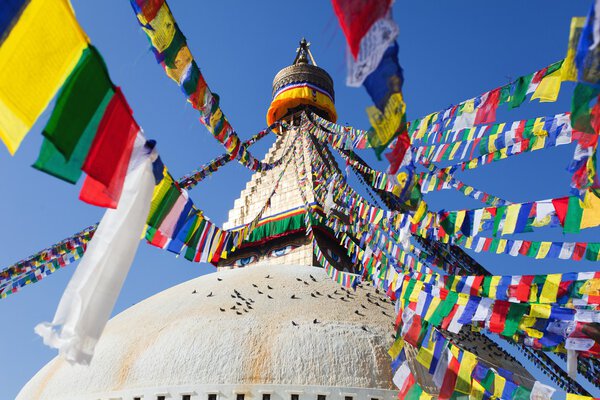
(107, 161)
(449, 381)
(579, 251)
(149, 8)
(561, 206)
(524, 288)
(448, 319)
(486, 113)
(412, 336)
(498, 319)
(406, 386)
(356, 18)
(396, 156)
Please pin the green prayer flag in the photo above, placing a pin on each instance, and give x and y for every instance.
(504, 94)
(190, 252)
(52, 161)
(444, 309)
(494, 245)
(513, 318)
(449, 222)
(521, 393)
(414, 393)
(520, 91)
(580, 107)
(528, 130)
(499, 215)
(488, 381)
(84, 91)
(534, 249)
(486, 285)
(574, 215)
(592, 251)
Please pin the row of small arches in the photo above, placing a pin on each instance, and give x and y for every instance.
(242, 396)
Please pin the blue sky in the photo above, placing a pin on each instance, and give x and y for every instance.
(450, 51)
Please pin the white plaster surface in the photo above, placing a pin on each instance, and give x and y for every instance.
(179, 339)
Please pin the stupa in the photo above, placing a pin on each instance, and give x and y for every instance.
(270, 324)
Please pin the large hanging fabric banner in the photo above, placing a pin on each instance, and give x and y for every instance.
(43, 37)
(171, 51)
(92, 292)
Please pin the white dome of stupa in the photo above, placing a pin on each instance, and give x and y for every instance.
(262, 332)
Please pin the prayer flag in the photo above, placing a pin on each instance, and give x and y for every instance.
(588, 51)
(72, 126)
(107, 160)
(77, 102)
(357, 17)
(92, 292)
(384, 85)
(449, 382)
(53, 162)
(549, 87)
(569, 70)
(35, 59)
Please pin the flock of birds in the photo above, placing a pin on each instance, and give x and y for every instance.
(244, 304)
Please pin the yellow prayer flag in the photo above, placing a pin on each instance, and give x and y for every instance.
(396, 348)
(538, 127)
(414, 296)
(477, 391)
(538, 142)
(161, 30)
(467, 365)
(591, 287)
(510, 221)
(550, 288)
(463, 299)
(435, 302)
(425, 396)
(501, 246)
(540, 311)
(571, 396)
(547, 90)
(569, 71)
(591, 211)
(469, 106)
(499, 383)
(495, 281)
(460, 218)
(453, 151)
(492, 143)
(35, 59)
(469, 243)
(386, 124)
(543, 250)
(425, 354)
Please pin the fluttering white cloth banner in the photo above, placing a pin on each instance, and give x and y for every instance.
(91, 294)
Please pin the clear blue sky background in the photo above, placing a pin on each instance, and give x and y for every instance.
(451, 51)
